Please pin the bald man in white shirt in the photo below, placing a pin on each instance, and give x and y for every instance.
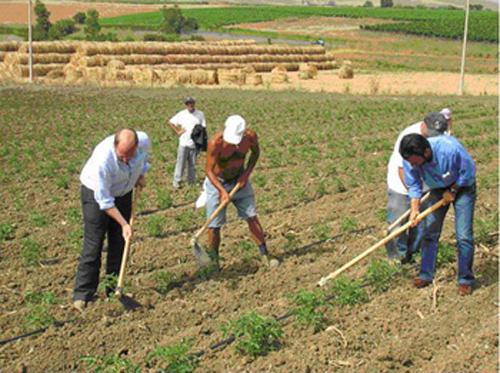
(116, 166)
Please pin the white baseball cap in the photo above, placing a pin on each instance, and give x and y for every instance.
(234, 129)
(447, 113)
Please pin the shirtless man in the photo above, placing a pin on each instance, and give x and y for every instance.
(226, 155)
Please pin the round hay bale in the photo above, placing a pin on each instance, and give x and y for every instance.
(346, 72)
(115, 65)
(228, 76)
(255, 79)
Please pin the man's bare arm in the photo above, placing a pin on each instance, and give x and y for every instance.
(252, 160)
(213, 152)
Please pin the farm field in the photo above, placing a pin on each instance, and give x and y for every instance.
(320, 187)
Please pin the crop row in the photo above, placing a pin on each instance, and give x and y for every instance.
(483, 25)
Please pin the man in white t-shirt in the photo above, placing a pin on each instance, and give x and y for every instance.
(187, 153)
(408, 243)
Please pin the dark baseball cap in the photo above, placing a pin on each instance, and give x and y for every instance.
(189, 100)
(436, 124)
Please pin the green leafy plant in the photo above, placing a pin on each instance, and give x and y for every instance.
(39, 219)
(73, 216)
(322, 231)
(109, 283)
(310, 308)
(31, 251)
(48, 298)
(6, 231)
(164, 281)
(348, 292)
(446, 254)
(348, 224)
(380, 274)
(178, 358)
(259, 180)
(257, 335)
(116, 363)
(163, 198)
(155, 225)
(38, 317)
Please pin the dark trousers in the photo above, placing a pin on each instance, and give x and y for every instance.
(96, 225)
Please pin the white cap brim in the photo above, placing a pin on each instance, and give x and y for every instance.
(231, 138)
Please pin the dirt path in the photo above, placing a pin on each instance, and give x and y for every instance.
(414, 83)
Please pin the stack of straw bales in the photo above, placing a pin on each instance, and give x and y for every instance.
(225, 62)
(47, 57)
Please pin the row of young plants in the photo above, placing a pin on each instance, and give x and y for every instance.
(483, 24)
(254, 334)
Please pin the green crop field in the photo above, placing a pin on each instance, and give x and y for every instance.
(430, 22)
(321, 174)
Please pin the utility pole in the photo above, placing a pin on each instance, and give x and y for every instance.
(30, 38)
(462, 66)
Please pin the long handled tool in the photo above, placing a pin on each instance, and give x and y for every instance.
(201, 255)
(381, 243)
(119, 286)
(403, 217)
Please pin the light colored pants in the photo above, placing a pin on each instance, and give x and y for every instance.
(185, 157)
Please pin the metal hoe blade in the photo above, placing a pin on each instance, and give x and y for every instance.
(201, 255)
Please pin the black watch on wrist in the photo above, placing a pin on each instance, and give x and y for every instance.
(454, 189)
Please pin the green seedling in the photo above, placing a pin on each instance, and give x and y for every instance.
(380, 274)
(163, 198)
(322, 231)
(6, 231)
(310, 308)
(483, 230)
(187, 220)
(48, 298)
(446, 254)
(38, 317)
(348, 224)
(155, 225)
(259, 180)
(177, 358)
(39, 219)
(164, 281)
(115, 363)
(73, 216)
(31, 252)
(256, 335)
(348, 292)
(108, 285)
(74, 238)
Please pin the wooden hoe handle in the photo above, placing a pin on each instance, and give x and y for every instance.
(396, 233)
(404, 216)
(216, 212)
(119, 286)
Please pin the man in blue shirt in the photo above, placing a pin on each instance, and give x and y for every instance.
(449, 171)
(117, 165)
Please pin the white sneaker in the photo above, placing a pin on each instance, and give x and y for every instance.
(176, 185)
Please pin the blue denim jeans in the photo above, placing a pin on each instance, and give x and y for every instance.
(464, 217)
(408, 242)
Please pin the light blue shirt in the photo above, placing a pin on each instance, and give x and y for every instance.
(109, 177)
(451, 164)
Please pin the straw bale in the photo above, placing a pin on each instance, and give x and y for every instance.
(184, 76)
(279, 69)
(231, 76)
(204, 77)
(2, 56)
(50, 47)
(279, 75)
(22, 71)
(249, 70)
(45, 58)
(254, 79)
(56, 74)
(93, 73)
(307, 71)
(346, 72)
(115, 65)
(167, 76)
(9, 46)
(72, 73)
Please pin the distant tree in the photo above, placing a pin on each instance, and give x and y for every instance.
(368, 4)
(173, 21)
(62, 28)
(92, 26)
(386, 3)
(476, 7)
(80, 18)
(43, 24)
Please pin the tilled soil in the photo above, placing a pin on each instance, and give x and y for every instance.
(403, 329)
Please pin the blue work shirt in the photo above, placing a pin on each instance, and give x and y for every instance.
(451, 164)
